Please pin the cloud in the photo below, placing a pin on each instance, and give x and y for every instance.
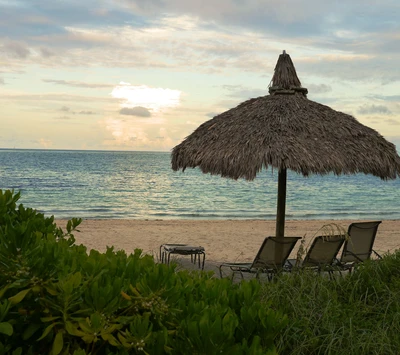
(47, 53)
(194, 47)
(318, 88)
(144, 96)
(243, 93)
(2, 82)
(47, 97)
(212, 114)
(386, 97)
(62, 118)
(20, 18)
(78, 84)
(45, 143)
(135, 111)
(372, 109)
(15, 49)
(129, 134)
(286, 18)
(229, 35)
(82, 112)
(393, 122)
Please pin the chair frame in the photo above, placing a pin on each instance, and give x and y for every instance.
(195, 253)
(269, 269)
(310, 262)
(323, 239)
(359, 257)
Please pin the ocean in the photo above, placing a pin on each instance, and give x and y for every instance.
(142, 185)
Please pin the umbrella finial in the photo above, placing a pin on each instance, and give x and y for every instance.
(285, 80)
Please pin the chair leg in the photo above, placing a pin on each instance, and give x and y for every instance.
(379, 257)
(161, 253)
(220, 271)
(204, 260)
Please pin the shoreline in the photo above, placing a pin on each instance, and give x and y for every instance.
(223, 240)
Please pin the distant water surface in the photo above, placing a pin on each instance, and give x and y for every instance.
(142, 185)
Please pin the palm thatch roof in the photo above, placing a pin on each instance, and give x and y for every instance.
(286, 130)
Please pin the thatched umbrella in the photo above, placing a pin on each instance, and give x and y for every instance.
(285, 130)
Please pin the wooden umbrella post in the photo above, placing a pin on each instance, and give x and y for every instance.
(280, 214)
(281, 204)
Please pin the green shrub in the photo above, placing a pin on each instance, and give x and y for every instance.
(56, 298)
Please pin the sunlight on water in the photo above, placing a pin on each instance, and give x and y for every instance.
(142, 185)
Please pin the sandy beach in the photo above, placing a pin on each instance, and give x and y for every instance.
(223, 240)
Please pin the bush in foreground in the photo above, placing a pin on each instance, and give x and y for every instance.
(55, 298)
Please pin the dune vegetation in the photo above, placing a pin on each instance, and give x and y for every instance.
(57, 297)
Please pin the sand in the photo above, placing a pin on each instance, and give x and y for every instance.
(223, 240)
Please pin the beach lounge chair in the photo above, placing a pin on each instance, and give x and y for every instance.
(321, 255)
(359, 246)
(271, 257)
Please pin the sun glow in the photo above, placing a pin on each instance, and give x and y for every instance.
(154, 99)
(125, 134)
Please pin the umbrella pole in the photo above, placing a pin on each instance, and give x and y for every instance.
(281, 204)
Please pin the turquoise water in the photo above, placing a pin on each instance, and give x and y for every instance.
(142, 185)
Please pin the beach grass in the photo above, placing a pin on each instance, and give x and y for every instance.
(358, 313)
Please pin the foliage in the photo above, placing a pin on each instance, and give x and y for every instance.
(354, 314)
(58, 298)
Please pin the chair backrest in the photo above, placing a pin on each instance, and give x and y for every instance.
(358, 247)
(274, 252)
(323, 250)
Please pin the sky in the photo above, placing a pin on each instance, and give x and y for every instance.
(141, 75)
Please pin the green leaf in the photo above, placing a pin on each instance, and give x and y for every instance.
(32, 328)
(229, 323)
(126, 296)
(19, 296)
(6, 328)
(85, 326)
(47, 331)
(73, 330)
(111, 339)
(3, 290)
(58, 343)
(17, 351)
(48, 319)
(96, 320)
(4, 307)
(76, 279)
(69, 226)
(123, 340)
(51, 290)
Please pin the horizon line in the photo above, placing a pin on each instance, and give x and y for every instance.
(89, 150)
